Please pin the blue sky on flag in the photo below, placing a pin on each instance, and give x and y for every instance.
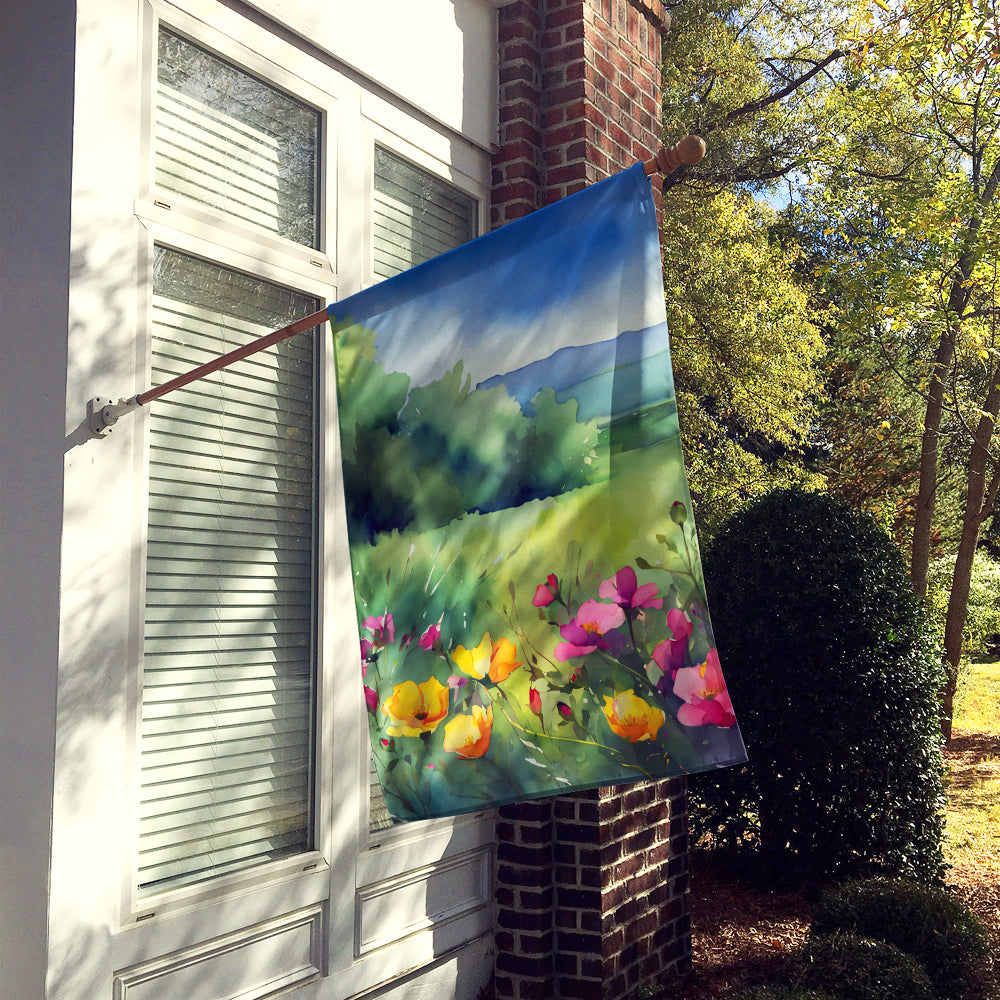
(602, 277)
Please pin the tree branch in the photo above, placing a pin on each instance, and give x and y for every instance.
(754, 106)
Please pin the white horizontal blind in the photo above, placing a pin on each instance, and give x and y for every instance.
(228, 140)
(228, 658)
(416, 215)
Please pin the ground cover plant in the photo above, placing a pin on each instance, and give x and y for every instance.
(852, 967)
(926, 922)
(743, 933)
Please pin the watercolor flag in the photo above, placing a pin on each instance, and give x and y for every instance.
(529, 592)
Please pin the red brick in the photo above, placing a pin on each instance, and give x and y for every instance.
(521, 965)
(531, 944)
(518, 111)
(567, 964)
(572, 988)
(554, 77)
(517, 876)
(521, 90)
(588, 944)
(553, 117)
(570, 15)
(524, 920)
(567, 133)
(518, 10)
(511, 152)
(565, 54)
(518, 49)
(521, 130)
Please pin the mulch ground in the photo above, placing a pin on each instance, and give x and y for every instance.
(741, 935)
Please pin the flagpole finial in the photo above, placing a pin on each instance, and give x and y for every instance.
(668, 158)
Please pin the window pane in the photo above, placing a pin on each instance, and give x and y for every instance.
(417, 215)
(228, 662)
(226, 139)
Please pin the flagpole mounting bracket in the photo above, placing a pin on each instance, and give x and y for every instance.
(103, 413)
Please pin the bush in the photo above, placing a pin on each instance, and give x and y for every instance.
(856, 968)
(783, 993)
(833, 673)
(925, 922)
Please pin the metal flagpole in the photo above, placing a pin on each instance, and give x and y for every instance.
(103, 413)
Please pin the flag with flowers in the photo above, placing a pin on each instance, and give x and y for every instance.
(532, 615)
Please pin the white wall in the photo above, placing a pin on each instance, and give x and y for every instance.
(36, 109)
(71, 294)
(415, 49)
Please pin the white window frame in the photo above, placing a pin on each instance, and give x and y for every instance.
(349, 868)
(180, 224)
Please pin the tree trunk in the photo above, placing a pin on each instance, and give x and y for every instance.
(958, 300)
(920, 553)
(979, 500)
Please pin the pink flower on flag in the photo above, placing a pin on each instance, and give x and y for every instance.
(371, 698)
(382, 629)
(625, 591)
(704, 692)
(546, 592)
(534, 700)
(669, 654)
(587, 631)
(431, 636)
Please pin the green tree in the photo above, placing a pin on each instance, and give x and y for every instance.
(746, 76)
(910, 179)
(747, 357)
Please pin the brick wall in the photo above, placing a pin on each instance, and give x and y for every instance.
(591, 893)
(579, 96)
(591, 890)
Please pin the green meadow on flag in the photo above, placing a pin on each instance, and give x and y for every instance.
(529, 591)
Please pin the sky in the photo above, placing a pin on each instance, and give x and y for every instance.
(580, 271)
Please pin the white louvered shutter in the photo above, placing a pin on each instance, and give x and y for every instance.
(228, 675)
(416, 215)
(228, 659)
(232, 142)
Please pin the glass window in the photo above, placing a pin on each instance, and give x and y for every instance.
(416, 215)
(228, 684)
(228, 140)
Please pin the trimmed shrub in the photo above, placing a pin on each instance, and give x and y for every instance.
(857, 968)
(925, 922)
(833, 672)
(783, 993)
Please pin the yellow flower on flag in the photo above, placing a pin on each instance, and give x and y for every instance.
(503, 660)
(416, 708)
(469, 735)
(474, 662)
(631, 718)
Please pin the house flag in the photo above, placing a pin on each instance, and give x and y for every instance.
(528, 586)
